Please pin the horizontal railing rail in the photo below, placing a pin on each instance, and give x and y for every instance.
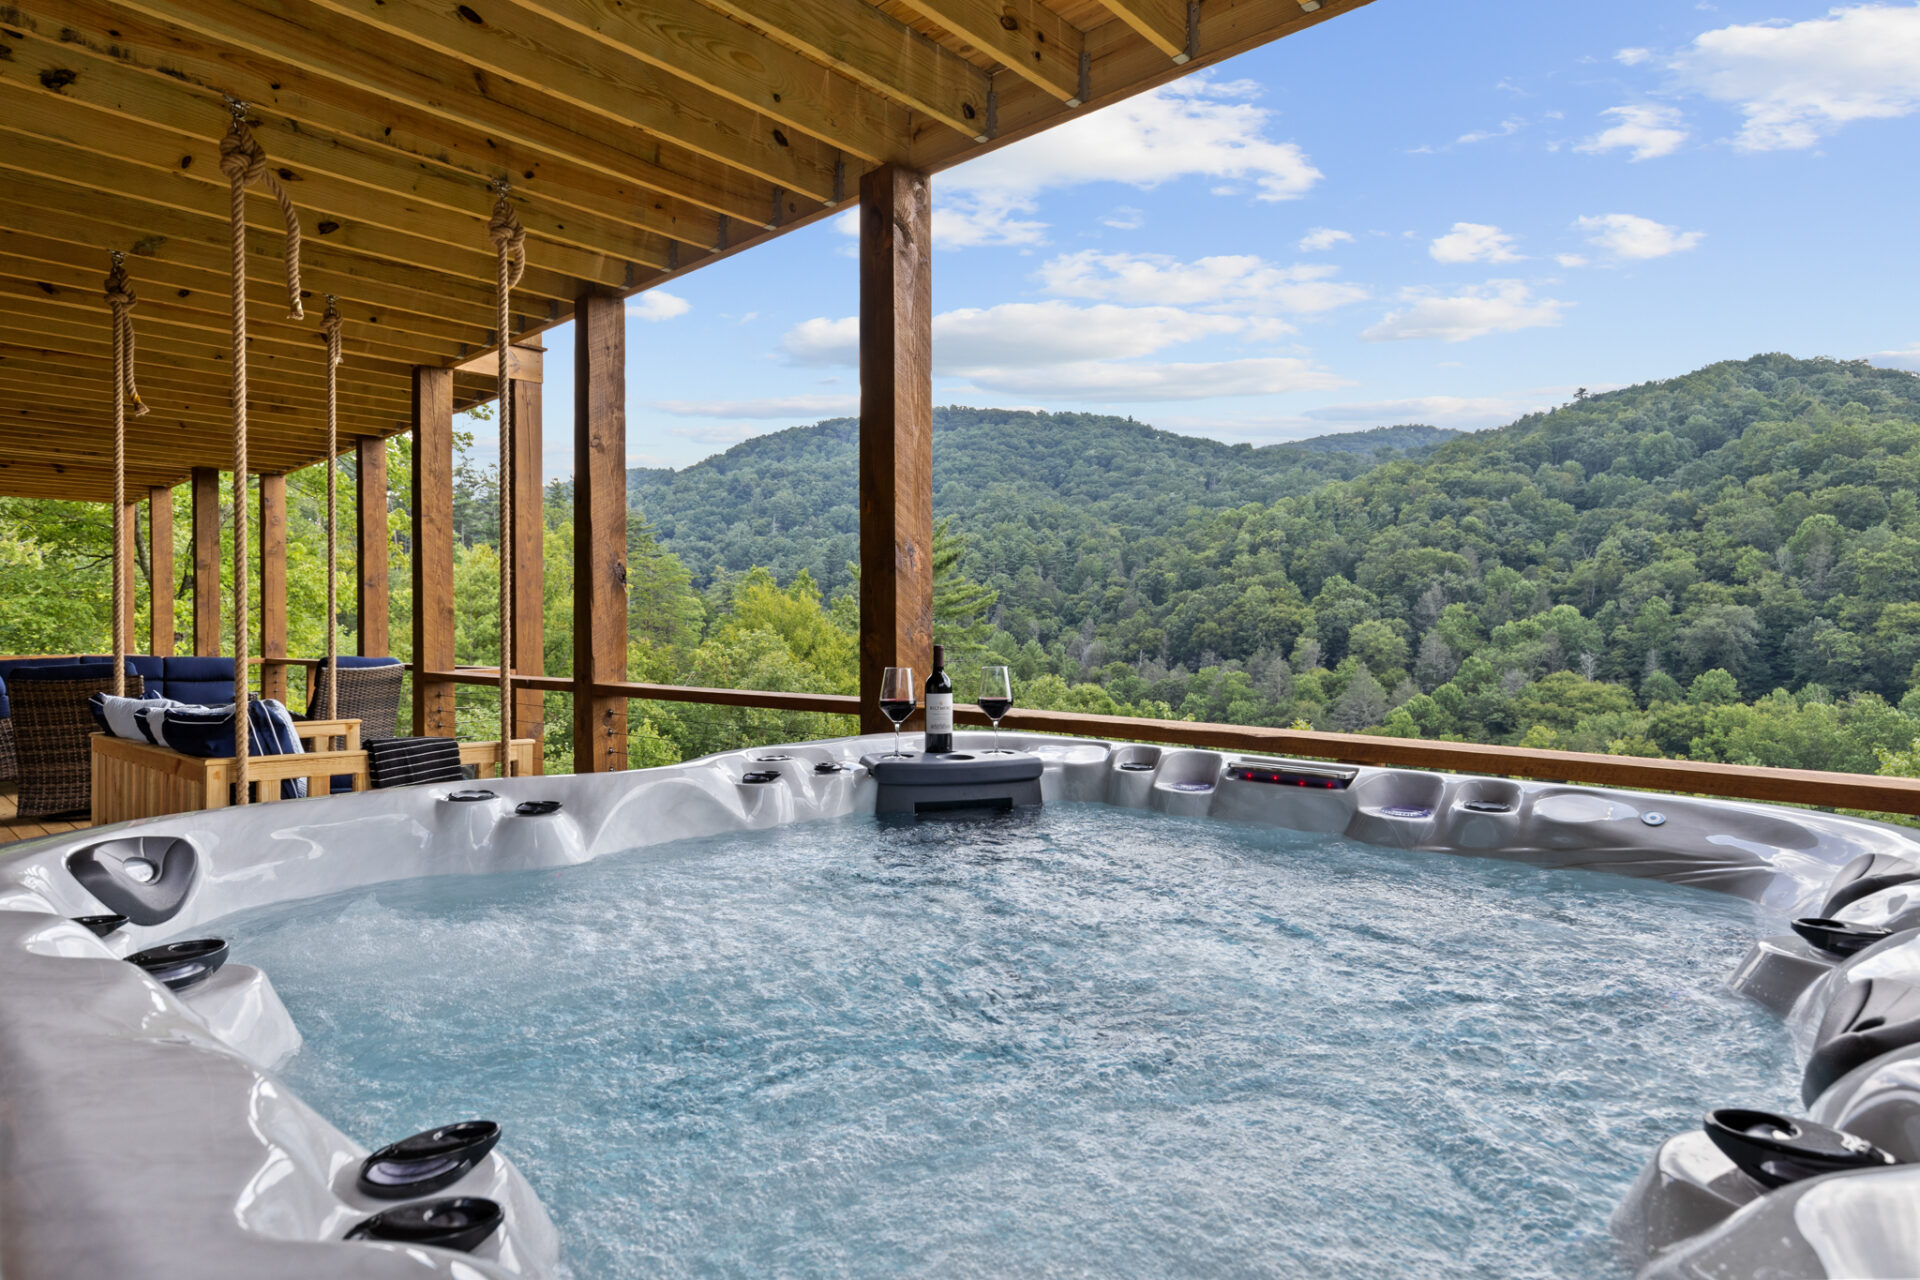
(1636, 773)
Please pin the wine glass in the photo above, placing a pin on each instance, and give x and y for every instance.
(996, 699)
(896, 700)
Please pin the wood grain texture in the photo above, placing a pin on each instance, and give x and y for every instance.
(371, 592)
(599, 532)
(896, 430)
(432, 502)
(206, 562)
(160, 584)
(529, 555)
(273, 587)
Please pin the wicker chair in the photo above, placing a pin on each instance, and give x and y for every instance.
(370, 695)
(9, 763)
(53, 728)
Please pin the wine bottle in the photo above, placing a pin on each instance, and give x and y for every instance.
(939, 705)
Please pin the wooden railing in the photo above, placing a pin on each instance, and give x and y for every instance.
(1725, 781)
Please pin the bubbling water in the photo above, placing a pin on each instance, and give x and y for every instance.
(1070, 1042)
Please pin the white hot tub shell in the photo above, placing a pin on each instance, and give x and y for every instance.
(101, 1067)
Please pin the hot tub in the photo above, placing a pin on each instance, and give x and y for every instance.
(1026, 1021)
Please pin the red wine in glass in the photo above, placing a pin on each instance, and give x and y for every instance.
(897, 710)
(996, 708)
(995, 700)
(897, 699)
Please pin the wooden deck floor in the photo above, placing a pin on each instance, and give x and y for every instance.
(14, 828)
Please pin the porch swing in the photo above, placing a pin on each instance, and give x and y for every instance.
(138, 776)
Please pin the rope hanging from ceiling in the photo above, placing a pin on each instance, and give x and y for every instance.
(510, 262)
(244, 163)
(330, 326)
(122, 302)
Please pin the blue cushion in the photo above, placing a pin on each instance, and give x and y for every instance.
(117, 716)
(198, 680)
(207, 731)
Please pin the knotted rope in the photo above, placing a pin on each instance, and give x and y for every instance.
(244, 163)
(120, 298)
(330, 326)
(510, 262)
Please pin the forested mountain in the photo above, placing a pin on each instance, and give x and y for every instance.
(787, 501)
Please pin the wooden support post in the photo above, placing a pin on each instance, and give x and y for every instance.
(129, 600)
(273, 587)
(896, 431)
(206, 562)
(599, 532)
(160, 587)
(370, 548)
(432, 551)
(529, 562)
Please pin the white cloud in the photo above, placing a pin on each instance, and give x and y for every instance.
(1199, 127)
(1507, 129)
(1625, 236)
(1126, 218)
(1797, 82)
(1473, 242)
(1499, 306)
(1632, 57)
(770, 407)
(656, 305)
(1648, 131)
(1907, 358)
(1240, 281)
(1059, 351)
(1571, 259)
(1435, 411)
(1320, 239)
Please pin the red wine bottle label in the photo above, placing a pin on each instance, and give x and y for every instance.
(939, 713)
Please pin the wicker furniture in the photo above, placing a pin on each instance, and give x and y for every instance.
(53, 726)
(140, 780)
(369, 693)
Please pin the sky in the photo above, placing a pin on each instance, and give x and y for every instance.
(1412, 213)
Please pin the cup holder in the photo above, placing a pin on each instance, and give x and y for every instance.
(460, 1223)
(1413, 811)
(469, 797)
(1136, 766)
(101, 925)
(757, 776)
(826, 767)
(1774, 1150)
(427, 1161)
(180, 965)
(771, 759)
(536, 808)
(1487, 806)
(1839, 937)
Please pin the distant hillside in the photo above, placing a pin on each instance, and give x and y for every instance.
(1038, 481)
(1409, 438)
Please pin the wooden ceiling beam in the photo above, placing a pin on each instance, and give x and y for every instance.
(183, 435)
(684, 38)
(1030, 40)
(22, 478)
(1161, 23)
(79, 358)
(104, 221)
(170, 154)
(124, 96)
(886, 55)
(307, 35)
(542, 54)
(50, 438)
(167, 185)
(267, 325)
(330, 107)
(39, 260)
(277, 417)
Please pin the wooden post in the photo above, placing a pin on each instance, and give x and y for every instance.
(896, 431)
(599, 532)
(529, 562)
(273, 587)
(160, 586)
(432, 551)
(206, 562)
(370, 548)
(129, 602)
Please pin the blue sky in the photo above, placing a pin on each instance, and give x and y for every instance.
(1414, 212)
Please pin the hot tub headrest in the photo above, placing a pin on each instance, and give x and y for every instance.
(1869, 1017)
(144, 878)
(1867, 874)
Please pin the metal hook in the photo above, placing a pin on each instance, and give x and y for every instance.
(500, 187)
(119, 257)
(237, 107)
